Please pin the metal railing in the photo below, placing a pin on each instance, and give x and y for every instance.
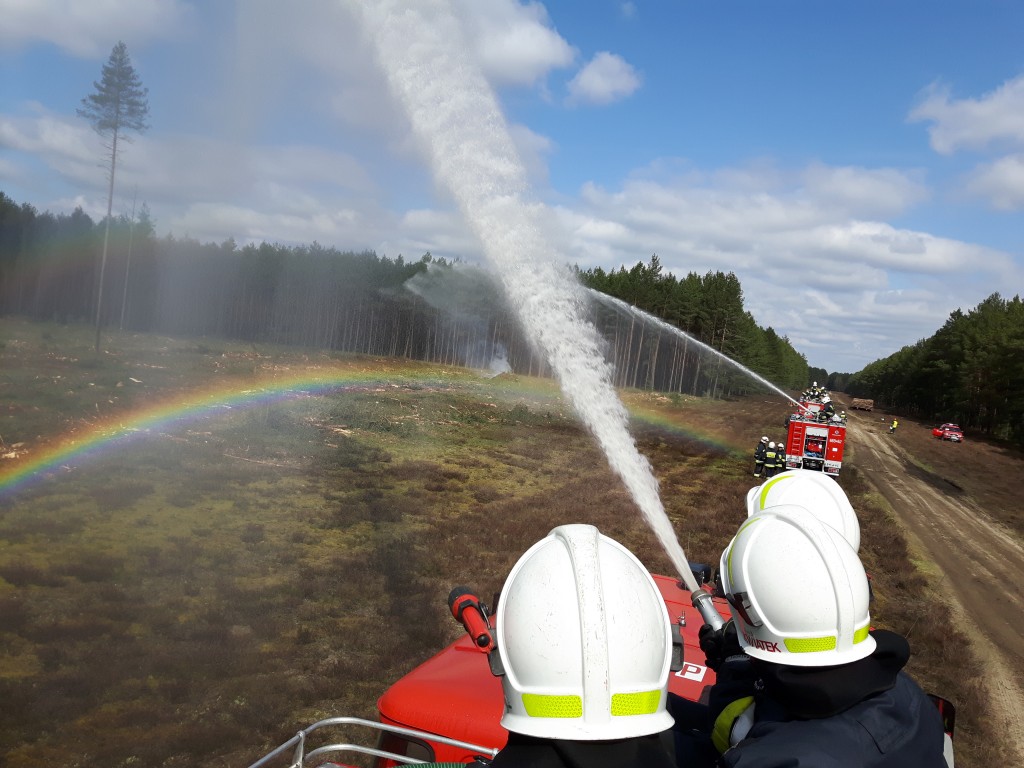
(300, 757)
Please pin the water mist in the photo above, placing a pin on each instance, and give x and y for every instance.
(422, 49)
(657, 322)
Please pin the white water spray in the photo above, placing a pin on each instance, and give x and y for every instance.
(422, 49)
(499, 363)
(657, 322)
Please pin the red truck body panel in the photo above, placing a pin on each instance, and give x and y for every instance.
(454, 693)
(815, 445)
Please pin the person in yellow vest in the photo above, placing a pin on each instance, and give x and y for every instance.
(892, 427)
(759, 454)
(775, 460)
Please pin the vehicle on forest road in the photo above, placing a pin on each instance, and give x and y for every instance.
(950, 432)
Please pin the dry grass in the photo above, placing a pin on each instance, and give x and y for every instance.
(264, 569)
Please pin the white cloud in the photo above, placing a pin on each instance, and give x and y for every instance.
(997, 118)
(991, 123)
(9, 169)
(515, 43)
(606, 78)
(628, 10)
(794, 228)
(71, 149)
(89, 29)
(865, 191)
(45, 133)
(853, 328)
(443, 233)
(216, 222)
(1001, 182)
(318, 46)
(815, 262)
(192, 164)
(204, 186)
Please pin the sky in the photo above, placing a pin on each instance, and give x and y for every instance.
(858, 166)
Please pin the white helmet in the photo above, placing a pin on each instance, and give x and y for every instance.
(817, 493)
(814, 384)
(585, 641)
(771, 445)
(798, 591)
(764, 438)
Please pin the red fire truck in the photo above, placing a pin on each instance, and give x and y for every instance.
(813, 442)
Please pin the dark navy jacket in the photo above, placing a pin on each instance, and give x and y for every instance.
(899, 728)
(865, 714)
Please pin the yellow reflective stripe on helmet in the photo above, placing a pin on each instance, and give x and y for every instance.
(640, 703)
(728, 560)
(540, 705)
(810, 644)
(724, 722)
(767, 487)
(623, 704)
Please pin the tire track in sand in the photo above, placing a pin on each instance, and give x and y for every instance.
(982, 564)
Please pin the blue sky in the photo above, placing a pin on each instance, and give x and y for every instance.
(859, 166)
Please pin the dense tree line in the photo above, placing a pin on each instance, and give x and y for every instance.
(970, 372)
(310, 296)
(319, 297)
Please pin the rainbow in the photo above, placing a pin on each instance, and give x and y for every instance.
(178, 411)
(661, 421)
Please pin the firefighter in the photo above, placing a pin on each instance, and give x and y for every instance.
(780, 458)
(601, 702)
(759, 452)
(802, 680)
(771, 456)
(892, 427)
(828, 408)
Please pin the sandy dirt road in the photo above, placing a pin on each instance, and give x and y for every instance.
(981, 561)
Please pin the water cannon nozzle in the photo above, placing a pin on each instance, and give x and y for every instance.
(701, 600)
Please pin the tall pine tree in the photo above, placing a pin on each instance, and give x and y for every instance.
(118, 105)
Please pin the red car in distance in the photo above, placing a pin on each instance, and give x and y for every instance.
(950, 432)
